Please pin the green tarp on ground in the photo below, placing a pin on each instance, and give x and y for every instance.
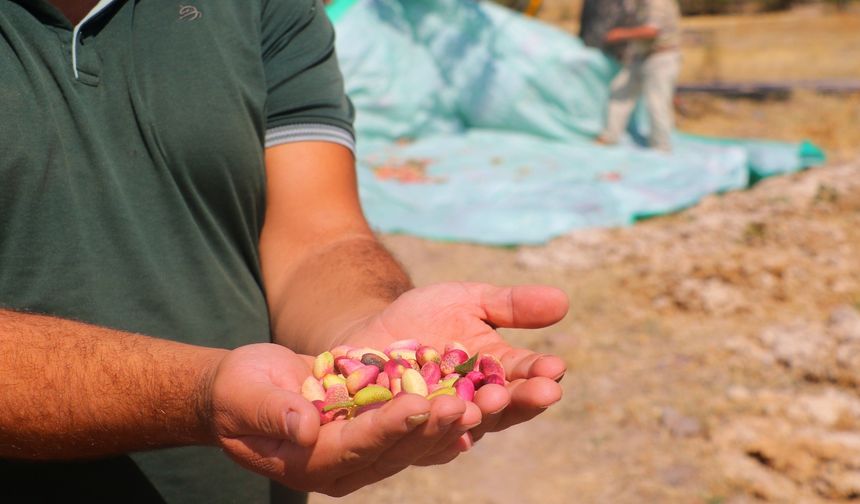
(474, 124)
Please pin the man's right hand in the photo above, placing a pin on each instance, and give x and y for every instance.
(261, 420)
(77, 391)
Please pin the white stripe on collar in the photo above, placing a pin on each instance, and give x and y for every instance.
(77, 30)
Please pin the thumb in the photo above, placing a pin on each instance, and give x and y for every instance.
(522, 306)
(274, 412)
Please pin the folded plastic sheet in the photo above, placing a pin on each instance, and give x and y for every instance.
(475, 124)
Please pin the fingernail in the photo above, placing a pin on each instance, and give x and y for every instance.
(448, 420)
(293, 422)
(416, 420)
(498, 410)
(467, 442)
(472, 426)
(550, 404)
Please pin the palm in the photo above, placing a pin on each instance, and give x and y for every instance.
(468, 313)
(447, 317)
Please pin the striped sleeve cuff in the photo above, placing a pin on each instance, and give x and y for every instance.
(310, 133)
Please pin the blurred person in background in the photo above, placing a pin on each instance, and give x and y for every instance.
(648, 49)
(598, 17)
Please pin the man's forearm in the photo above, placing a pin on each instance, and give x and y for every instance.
(322, 267)
(331, 289)
(73, 390)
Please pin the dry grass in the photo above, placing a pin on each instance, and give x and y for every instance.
(830, 121)
(802, 44)
(813, 42)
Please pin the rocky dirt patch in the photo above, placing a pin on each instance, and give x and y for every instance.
(732, 253)
(714, 357)
(795, 445)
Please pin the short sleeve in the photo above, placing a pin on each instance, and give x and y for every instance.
(306, 98)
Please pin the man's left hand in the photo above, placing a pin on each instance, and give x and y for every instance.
(469, 313)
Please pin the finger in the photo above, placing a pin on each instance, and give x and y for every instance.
(351, 447)
(522, 363)
(522, 306)
(371, 433)
(454, 441)
(260, 454)
(450, 453)
(453, 450)
(270, 411)
(529, 398)
(470, 419)
(256, 440)
(493, 400)
(446, 414)
(465, 442)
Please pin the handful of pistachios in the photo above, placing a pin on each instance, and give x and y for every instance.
(347, 381)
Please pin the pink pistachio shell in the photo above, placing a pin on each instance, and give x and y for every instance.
(332, 379)
(383, 381)
(360, 378)
(426, 354)
(332, 415)
(454, 345)
(408, 344)
(319, 406)
(476, 377)
(341, 350)
(395, 386)
(346, 366)
(431, 372)
(402, 353)
(465, 389)
(395, 367)
(413, 382)
(323, 365)
(490, 365)
(336, 394)
(451, 359)
(494, 379)
(312, 389)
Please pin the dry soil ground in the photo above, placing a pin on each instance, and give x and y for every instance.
(714, 355)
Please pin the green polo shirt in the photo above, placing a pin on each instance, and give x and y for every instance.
(132, 185)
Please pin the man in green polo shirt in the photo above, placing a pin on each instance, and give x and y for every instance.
(179, 230)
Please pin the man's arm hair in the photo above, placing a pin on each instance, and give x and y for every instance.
(73, 390)
(322, 265)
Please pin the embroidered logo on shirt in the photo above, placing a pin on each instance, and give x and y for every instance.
(189, 13)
